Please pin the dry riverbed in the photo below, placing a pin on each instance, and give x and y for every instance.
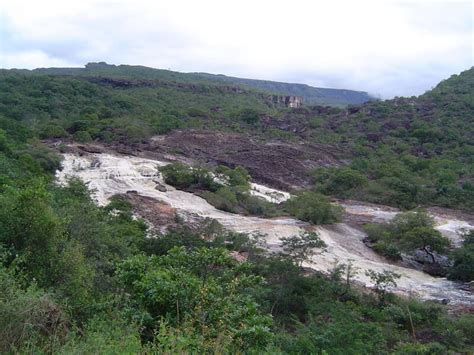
(108, 174)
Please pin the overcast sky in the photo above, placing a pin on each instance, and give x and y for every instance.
(384, 47)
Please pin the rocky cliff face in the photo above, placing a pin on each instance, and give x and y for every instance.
(288, 101)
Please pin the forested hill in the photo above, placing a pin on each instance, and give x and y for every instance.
(77, 278)
(311, 95)
(413, 151)
(403, 152)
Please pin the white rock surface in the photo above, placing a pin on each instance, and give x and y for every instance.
(108, 174)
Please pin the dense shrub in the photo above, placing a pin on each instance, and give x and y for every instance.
(463, 260)
(28, 317)
(341, 181)
(204, 285)
(223, 199)
(82, 136)
(249, 115)
(53, 131)
(313, 207)
(74, 277)
(183, 176)
(225, 188)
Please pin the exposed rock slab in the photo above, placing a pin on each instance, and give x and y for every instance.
(281, 165)
(119, 174)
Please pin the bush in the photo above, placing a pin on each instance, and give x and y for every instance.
(256, 206)
(183, 176)
(249, 116)
(376, 232)
(82, 136)
(388, 250)
(4, 142)
(178, 175)
(223, 199)
(105, 334)
(166, 124)
(313, 207)
(420, 349)
(53, 131)
(48, 159)
(194, 112)
(337, 181)
(234, 177)
(463, 260)
(226, 189)
(204, 286)
(27, 315)
(379, 236)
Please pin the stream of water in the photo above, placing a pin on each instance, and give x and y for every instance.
(108, 174)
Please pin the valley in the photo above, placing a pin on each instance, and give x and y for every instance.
(109, 174)
(151, 211)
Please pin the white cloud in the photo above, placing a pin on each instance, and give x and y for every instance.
(392, 48)
(24, 59)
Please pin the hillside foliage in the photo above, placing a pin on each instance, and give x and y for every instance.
(403, 152)
(79, 278)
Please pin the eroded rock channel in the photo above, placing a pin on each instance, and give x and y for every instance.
(108, 174)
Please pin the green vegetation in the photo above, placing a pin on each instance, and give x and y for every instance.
(229, 190)
(311, 95)
(185, 177)
(79, 278)
(86, 108)
(249, 116)
(403, 152)
(463, 260)
(313, 207)
(406, 152)
(382, 282)
(204, 289)
(334, 181)
(224, 188)
(409, 231)
(101, 286)
(301, 248)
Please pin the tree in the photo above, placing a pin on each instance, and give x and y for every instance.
(30, 227)
(425, 238)
(27, 314)
(415, 230)
(342, 276)
(204, 288)
(382, 282)
(302, 247)
(82, 136)
(408, 231)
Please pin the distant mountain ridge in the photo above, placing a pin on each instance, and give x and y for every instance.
(311, 95)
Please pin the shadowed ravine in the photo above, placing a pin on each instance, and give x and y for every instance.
(107, 175)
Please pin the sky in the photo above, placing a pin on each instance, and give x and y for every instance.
(388, 48)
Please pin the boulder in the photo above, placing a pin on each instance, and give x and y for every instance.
(159, 186)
